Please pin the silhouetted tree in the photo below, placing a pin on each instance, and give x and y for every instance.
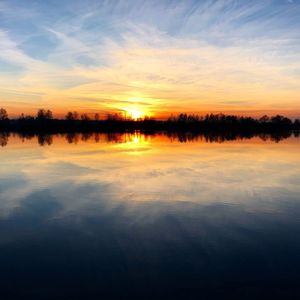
(70, 116)
(23, 117)
(85, 117)
(44, 114)
(3, 114)
(264, 119)
(182, 118)
(97, 117)
(114, 117)
(281, 120)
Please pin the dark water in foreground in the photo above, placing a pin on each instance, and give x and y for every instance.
(134, 216)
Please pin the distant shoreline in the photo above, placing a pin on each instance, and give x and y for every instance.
(64, 126)
(44, 122)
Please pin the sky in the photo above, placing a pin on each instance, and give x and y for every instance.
(149, 57)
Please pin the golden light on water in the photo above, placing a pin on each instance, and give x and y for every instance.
(134, 143)
(136, 138)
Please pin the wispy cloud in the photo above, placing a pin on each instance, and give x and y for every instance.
(162, 55)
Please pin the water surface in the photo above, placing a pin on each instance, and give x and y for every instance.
(125, 215)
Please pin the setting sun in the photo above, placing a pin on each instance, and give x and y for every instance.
(133, 113)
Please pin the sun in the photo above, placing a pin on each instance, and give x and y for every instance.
(134, 113)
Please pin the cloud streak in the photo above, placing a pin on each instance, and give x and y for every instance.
(167, 55)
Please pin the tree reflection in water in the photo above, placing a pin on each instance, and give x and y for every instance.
(46, 139)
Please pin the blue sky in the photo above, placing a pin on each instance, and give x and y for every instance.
(152, 56)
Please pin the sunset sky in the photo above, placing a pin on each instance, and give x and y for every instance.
(150, 57)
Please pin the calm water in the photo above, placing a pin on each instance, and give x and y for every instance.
(124, 216)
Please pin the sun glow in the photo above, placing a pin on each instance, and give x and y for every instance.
(134, 113)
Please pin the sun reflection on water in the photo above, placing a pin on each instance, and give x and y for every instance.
(134, 143)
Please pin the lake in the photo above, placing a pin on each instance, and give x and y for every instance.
(84, 216)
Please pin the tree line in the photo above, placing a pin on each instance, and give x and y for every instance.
(44, 121)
